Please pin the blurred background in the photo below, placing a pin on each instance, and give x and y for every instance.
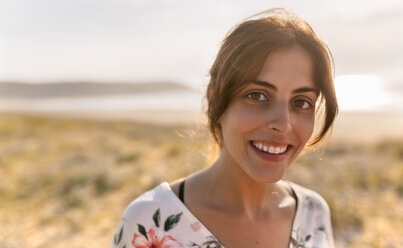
(101, 100)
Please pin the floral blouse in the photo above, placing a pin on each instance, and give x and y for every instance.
(159, 219)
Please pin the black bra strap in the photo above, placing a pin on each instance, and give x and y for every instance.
(181, 191)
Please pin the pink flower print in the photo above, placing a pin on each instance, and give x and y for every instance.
(156, 238)
(195, 226)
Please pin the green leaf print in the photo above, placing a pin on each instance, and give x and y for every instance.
(157, 218)
(307, 237)
(120, 235)
(171, 221)
(142, 230)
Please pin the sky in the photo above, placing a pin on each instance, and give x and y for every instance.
(177, 40)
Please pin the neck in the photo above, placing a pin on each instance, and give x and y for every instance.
(238, 192)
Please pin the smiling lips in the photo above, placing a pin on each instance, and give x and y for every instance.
(269, 148)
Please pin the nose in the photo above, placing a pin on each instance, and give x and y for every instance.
(279, 117)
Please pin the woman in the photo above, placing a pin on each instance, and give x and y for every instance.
(269, 81)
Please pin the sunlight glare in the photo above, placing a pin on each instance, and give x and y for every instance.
(359, 92)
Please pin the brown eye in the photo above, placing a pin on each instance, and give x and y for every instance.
(257, 96)
(302, 104)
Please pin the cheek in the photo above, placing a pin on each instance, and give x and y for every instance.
(238, 120)
(248, 119)
(304, 126)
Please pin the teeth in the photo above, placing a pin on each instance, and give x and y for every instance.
(270, 149)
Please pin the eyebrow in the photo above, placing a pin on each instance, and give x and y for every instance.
(299, 90)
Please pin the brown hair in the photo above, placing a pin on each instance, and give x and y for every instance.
(244, 51)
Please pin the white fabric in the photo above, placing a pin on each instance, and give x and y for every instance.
(175, 226)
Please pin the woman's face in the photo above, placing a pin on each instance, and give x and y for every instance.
(269, 122)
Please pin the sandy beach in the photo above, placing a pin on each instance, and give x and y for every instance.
(66, 178)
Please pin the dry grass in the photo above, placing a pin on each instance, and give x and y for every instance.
(66, 182)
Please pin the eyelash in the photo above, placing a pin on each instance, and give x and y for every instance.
(262, 98)
(249, 96)
(305, 102)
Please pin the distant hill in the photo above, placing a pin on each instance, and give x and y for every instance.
(82, 89)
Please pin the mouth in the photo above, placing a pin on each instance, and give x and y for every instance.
(271, 149)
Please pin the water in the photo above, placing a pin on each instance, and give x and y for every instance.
(171, 100)
(354, 92)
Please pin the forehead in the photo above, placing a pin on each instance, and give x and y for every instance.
(288, 67)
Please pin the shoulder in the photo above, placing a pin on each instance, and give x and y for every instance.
(312, 225)
(310, 200)
(144, 215)
(175, 185)
(147, 203)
